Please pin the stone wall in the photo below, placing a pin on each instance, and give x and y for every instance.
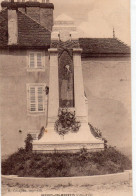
(14, 116)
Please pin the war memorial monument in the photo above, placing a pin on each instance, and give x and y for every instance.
(66, 94)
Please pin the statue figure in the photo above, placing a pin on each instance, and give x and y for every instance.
(66, 79)
(66, 87)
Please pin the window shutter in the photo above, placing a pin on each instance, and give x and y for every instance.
(32, 63)
(36, 97)
(32, 99)
(40, 98)
(39, 60)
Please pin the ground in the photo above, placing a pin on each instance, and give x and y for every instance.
(115, 189)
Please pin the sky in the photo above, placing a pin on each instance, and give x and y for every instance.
(96, 18)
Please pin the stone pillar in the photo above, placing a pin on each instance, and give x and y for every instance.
(53, 87)
(80, 105)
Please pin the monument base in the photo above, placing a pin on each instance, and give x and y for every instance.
(67, 147)
(71, 142)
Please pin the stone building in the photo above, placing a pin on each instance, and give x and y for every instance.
(25, 37)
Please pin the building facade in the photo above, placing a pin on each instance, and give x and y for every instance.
(24, 71)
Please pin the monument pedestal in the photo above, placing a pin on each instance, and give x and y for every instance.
(69, 147)
(66, 90)
(71, 142)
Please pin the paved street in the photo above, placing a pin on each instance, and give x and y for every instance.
(115, 189)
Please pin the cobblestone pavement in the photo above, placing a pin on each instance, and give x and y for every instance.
(115, 189)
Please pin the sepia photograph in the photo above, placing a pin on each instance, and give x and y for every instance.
(65, 98)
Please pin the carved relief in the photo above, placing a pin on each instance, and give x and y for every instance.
(66, 79)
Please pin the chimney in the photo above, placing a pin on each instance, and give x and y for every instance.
(12, 27)
(40, 12)
(46, 15)
(33, 10)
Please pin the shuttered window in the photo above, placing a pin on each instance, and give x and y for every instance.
(36, 60)
(40, 98)
(32, 99)
(39, 60)
(36, 98)
(32, 60)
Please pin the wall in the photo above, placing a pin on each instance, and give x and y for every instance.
(14, 117)
(107, 84)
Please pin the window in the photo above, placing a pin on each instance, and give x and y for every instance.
(36, 97)
(36, 60)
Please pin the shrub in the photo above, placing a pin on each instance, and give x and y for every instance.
(27, 163)
(28, 143)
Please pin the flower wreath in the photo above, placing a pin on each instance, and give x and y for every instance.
(66, 122)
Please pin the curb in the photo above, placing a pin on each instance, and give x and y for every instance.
(126, 176)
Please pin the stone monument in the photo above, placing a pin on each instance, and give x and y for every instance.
(66, 91)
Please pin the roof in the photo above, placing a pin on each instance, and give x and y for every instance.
(3, 28)
(10, 4)
(30, 33)
(101, 46)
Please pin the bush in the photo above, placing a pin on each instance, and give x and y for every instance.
(83, 163)
(28, 143)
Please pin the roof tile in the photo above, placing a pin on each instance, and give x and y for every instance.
(93, 46)
(3, 28)
(32, 34)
